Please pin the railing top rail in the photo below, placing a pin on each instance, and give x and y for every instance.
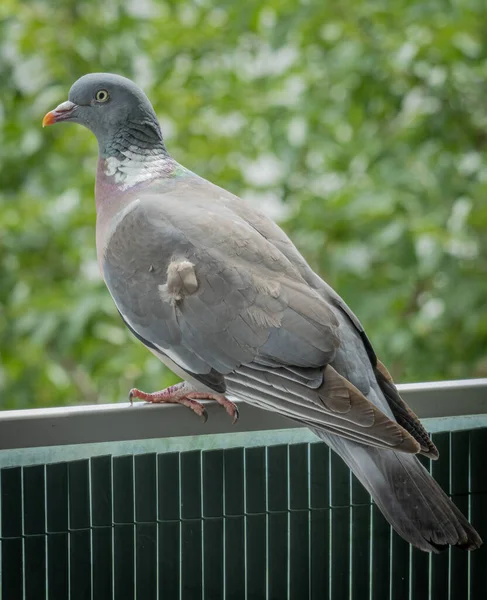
(116, 422)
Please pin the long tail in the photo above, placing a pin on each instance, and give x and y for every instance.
(409, 498)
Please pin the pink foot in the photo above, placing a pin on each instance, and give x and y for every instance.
(183, 393)
(228, 405)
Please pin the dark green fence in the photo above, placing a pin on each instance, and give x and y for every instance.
(279, 522)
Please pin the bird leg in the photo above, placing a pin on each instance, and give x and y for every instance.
(183, 393)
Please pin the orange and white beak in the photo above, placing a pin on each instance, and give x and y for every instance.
(61, 113)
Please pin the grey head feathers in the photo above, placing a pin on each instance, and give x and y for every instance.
(118, 112)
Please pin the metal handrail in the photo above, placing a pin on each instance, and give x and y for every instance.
(117, 422)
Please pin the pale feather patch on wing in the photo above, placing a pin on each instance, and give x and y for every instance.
(181, 282)
(260, 317)
(270, 287)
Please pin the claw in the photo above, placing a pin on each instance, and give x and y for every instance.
(228, 405)
(183, 393)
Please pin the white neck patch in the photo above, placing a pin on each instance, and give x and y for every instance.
(134, 168)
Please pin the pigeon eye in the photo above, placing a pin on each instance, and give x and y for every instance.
(101, 96)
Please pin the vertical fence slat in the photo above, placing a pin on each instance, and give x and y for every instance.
(191, 485)
(256, 555)
(145, 469)
(57, 565)
(169, 563)
(360, 540)
(123, 490)
(168, 486)
(212, 463)
(146, 561)
(57, 497)
(35, 567)
(79, 494)
(299, 555)
(278, 554)
(11, 500)
(381, 552)
(213, 553)
(191, 567)
(320, 555)
(123, 561)
(80, 562)
(102, 563)
(234, 536)
(12, 568)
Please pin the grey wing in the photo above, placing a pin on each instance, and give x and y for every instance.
(221, 299)
(356, 358)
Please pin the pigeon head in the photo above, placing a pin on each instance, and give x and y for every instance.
(116, 110)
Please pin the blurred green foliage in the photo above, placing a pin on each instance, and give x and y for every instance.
(360, 125)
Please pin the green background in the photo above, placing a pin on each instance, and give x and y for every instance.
(360, 126)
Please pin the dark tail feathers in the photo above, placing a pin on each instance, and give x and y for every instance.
(409, 498)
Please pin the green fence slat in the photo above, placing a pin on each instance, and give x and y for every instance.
(57, 497)
(340, 526)
(478, 559)
(191, 485)
(277, 479)
(212, 466)
(440, 574)
(360, 537)
(320, 555)
(298, 477)
(79, 494)
(57, 566)
(256, 554)
(123, 562)
(102, 563)
(80, 562)
(12, 569)
(213, 558)
(460, 450)
(299, 555)
(234, 543)
(440, 469)
(145, 482)
(255, 480)
(459, 576)
(478, 454)
(340, 552)
(34, 494)
(101, 490)
(277, 554)
(35, 567)
(168, 486)
(169, 563)
(146, 561)
(381, 552)
(399, 568)
(11, 501)
(123, 489)
(340, 478)
(319, 475)
(420, 571)
(234, 473)
(191, 560)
